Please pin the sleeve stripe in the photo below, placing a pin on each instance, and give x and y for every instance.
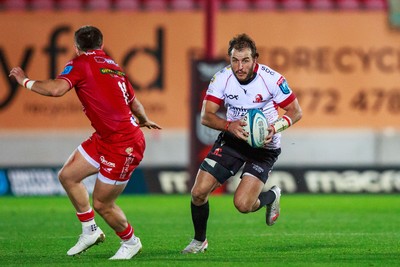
(287, 101)
(214, 99)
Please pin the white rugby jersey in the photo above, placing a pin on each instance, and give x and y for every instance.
(266, 92)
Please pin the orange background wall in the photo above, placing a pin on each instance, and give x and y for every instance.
(344, 67)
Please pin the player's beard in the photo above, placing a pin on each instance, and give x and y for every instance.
(248, 77)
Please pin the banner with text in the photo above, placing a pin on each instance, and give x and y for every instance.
(44, 181)
(343, 66)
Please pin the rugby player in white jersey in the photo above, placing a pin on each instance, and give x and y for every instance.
(244, 84)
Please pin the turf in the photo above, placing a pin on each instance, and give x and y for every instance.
(313, 230)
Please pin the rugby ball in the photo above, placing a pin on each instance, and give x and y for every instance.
(257, 127)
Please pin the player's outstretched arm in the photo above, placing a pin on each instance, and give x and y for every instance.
(56, 87)
(139, 112)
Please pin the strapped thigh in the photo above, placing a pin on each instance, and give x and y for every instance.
(217, 170)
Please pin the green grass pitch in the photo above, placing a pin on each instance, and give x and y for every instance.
(313, 230)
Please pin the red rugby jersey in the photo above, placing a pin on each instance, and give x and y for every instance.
(104, 91)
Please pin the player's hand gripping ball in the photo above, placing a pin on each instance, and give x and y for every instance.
(257, 127)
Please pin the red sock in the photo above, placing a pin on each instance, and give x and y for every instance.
(126, 234)
(86, 216)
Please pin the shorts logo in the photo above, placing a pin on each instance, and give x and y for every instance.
(107, 163)
(129, 150)
(107, 169)
(217, 152)
(257, 168)
(67, 70)
(125, 169)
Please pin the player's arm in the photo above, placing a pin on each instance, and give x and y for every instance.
(210, 119)
(293, 111)
(139, 112)
(56, 87)
(292, 115)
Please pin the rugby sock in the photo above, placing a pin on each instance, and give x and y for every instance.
(266, 198)
(89, 226)
(127, 235)
(200, 218)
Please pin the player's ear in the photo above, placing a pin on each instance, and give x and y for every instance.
(256, 57)
(76, 49)
(102, 46)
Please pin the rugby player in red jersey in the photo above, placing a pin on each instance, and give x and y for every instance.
(113, 151)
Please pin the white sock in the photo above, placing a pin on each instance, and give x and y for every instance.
(131, 241)
(89, 227)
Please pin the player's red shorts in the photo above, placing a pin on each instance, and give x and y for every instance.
(115, 159)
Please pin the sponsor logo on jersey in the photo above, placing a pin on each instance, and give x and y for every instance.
(105, 60)
(237, 112)
(232, 96)
(283, 85)
(66, 70)
(268, 70)
(110, 71)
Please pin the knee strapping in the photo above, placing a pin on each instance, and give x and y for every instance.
(215, 169)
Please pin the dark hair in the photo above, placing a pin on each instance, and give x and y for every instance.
(242, 41)
(88, 38)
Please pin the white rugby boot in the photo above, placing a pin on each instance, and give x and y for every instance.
(86, 241)
(127, 250)
(195, 246)
(273, 209)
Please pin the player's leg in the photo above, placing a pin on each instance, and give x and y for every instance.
(220, 164)
(249, 198)
(204, 184)
(71, 175)
(118, 161)
(104, 196)
(246, 195)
